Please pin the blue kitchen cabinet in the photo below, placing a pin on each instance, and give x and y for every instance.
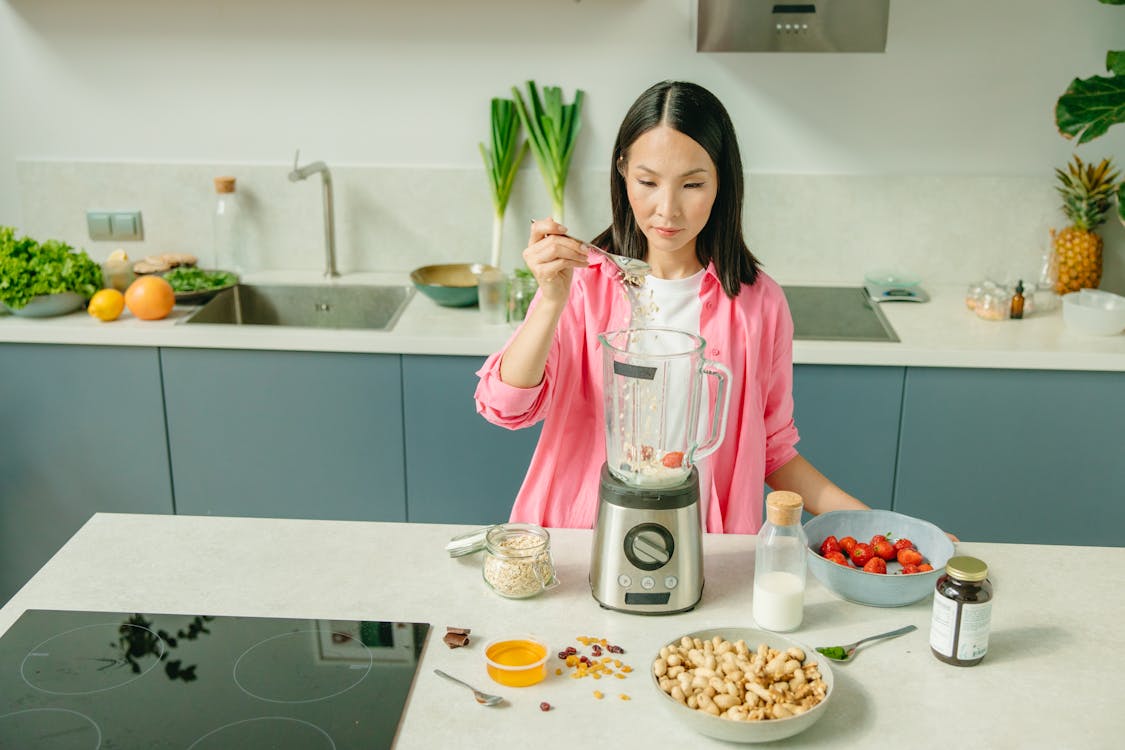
(459, 467)
(1028, 456)
(81, 431)
(285, 434)
(848, 418)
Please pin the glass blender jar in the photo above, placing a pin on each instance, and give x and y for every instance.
(653, 381)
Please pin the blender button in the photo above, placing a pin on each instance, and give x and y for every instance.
(670, 582)
(648, 583)
(624, 581)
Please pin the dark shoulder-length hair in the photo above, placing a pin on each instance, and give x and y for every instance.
(698, 114)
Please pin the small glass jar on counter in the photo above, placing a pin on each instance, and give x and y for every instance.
(962, 613)
(517, 558)
(521, 290)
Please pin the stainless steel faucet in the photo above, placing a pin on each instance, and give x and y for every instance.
(301, 173)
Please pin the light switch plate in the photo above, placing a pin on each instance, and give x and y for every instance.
(97, 222)
(115, 225)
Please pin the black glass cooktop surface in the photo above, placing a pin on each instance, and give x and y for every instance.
(90, 680)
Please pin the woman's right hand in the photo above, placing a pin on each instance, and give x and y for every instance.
(551, 257)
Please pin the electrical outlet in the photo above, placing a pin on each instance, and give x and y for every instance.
(115, 225)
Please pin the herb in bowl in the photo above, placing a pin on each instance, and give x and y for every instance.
(190, 279)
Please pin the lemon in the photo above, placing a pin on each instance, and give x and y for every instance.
(117, 256)
(106, 304)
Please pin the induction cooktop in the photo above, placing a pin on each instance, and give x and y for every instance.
(90, 680)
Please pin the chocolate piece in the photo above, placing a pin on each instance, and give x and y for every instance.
(458, 631)
(456, 640)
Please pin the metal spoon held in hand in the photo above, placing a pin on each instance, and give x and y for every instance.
(632, 269)
(845, 653)
(482, 698)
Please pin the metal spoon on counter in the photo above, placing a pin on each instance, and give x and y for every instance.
(845, 653)
(485, 699)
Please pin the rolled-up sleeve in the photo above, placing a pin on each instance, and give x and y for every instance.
(506, 405)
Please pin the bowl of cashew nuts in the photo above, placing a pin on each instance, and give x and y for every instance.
(742, 684)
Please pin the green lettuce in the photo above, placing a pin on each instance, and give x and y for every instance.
(29, 269)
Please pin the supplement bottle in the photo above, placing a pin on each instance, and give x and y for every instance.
(962, 612)
(779, 564)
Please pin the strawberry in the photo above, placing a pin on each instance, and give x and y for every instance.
(830, 544)
(903, 543)
(673, 460)
(861, 553)
(884, 549)
(876, 539)
(876, 565)
(847, 544)
(838, 558)
(925, 568)
(908, 569)
(909, 557)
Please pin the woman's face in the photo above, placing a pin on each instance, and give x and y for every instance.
(672, 183)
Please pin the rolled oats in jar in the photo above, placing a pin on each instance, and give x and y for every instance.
(517, 560)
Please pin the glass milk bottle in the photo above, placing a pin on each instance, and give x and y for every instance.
(779, 564)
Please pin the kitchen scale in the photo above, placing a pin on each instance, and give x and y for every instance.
(647, 555)
(72, 679)
(887, 286)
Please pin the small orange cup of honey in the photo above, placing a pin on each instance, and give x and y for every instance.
(516, 662)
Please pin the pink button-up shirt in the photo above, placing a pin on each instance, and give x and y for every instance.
(751, 334)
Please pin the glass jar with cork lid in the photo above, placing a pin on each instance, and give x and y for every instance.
(780, 564)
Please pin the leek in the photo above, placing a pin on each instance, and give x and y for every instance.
(501, 163)
(552, 130)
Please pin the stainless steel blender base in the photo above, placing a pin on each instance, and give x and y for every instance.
(647, 553)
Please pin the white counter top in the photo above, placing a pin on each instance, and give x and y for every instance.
(1047, 681)
(940, 333)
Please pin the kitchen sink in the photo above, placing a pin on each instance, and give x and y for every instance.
(836, 313)
(372, 308)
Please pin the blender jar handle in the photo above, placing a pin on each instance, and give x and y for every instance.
(722, 405)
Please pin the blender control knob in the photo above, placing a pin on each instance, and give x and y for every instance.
(649, 546)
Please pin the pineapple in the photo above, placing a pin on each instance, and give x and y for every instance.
(1087, 193)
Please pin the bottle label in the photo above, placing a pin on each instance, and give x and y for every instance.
(959, 630)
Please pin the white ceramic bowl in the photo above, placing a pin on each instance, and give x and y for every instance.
(891, 589)
(1094, 312)
(748, 731)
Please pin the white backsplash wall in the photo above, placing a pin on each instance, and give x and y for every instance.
(812, 228)
(938, 153)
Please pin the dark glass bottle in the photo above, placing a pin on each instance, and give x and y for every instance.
(962, 612)
(1017, 301)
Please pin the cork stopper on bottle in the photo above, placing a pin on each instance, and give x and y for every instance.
(224, 184)
(784, 508)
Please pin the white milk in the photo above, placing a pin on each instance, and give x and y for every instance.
(779, 600)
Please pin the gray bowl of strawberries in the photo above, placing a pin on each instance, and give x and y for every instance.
(900, 584)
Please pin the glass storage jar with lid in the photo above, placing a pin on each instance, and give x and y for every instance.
(517, 558)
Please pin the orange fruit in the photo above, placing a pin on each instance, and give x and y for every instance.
(150, 298)
(106, 304)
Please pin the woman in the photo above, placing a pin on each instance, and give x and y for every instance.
(676, 187)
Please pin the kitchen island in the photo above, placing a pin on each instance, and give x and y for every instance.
(1049, 679)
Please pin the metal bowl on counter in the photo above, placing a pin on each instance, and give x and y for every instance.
(450, 284)
(48, 305)
(743, 715)
(890, 589)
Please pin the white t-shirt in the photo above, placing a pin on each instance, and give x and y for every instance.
(676, 304)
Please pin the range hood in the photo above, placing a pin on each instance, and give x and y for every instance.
(769, 26)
